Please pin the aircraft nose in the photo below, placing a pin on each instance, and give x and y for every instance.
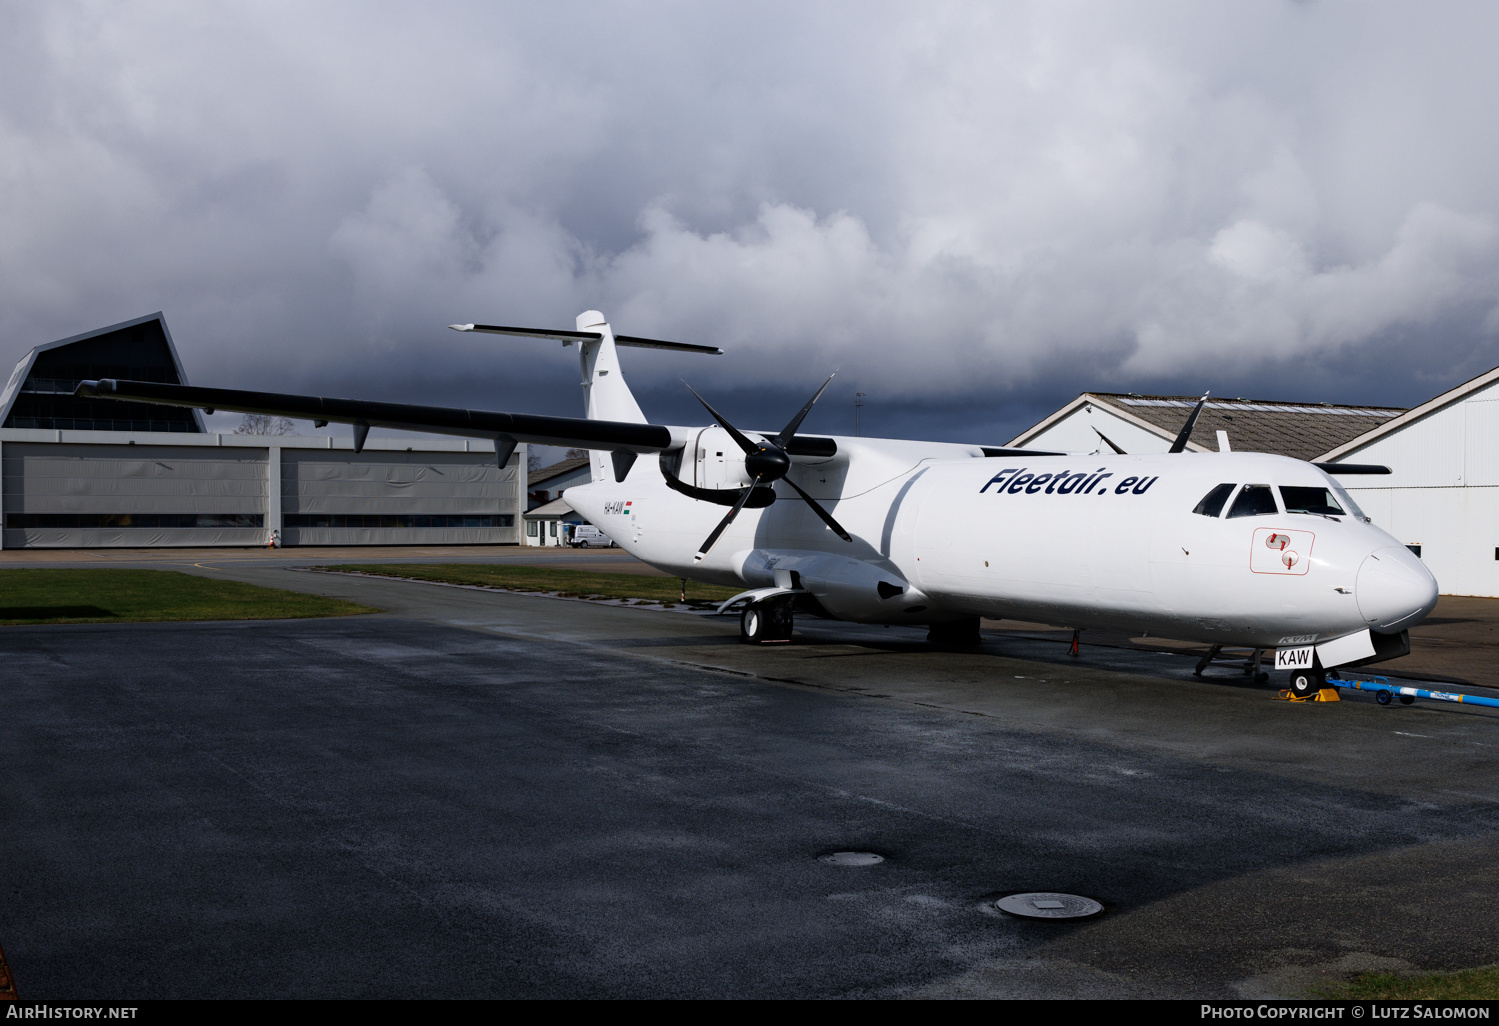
(1394, 589)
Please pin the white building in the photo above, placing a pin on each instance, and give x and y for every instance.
(551, 523)
(1443, 493)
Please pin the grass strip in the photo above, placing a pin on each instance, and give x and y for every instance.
(570, 583)
(1465, 985)
(34, 595)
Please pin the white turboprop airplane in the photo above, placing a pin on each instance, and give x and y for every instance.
(1241, 549)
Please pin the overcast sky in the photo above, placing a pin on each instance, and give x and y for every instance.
(975, 211)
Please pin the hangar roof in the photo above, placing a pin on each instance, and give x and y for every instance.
(1302, 430)
(551, 511)
(556, 470)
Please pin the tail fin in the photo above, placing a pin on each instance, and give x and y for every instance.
(605, 394)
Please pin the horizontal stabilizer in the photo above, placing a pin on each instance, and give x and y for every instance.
(588, 336)
(567, 432)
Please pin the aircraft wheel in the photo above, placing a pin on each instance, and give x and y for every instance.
(763, 622)
(752, 624)
(1306, 683)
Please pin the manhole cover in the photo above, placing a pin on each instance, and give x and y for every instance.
(1046, 905)
(853, 858)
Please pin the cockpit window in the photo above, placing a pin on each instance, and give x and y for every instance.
(1212, 503)
(1347, 501)
(1311, 500)
(1253, 501)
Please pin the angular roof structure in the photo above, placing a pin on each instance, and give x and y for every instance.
(1301, 430)
(40, 391)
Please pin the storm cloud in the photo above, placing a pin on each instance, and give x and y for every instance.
(976, 211)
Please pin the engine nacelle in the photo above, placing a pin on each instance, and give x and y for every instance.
(848, 589)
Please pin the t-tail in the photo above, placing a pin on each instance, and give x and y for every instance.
(606, 396)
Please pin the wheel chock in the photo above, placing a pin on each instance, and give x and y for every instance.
(1324, 695)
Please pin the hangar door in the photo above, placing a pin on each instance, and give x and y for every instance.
(337, 497)
(59, 495)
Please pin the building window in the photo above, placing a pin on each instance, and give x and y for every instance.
(396, 520)
(152, 520)
(531, 531)
(554, 528)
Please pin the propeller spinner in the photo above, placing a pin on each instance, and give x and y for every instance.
(766, 462)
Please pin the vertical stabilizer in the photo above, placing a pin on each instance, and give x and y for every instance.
(605, 394)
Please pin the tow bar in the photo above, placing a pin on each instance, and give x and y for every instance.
(1384, 691)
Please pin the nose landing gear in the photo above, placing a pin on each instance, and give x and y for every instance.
(1306, 683)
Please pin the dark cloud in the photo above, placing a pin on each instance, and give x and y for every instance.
(975, 211)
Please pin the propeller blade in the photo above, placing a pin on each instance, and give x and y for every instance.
(789, 431)
(1186, 432)
(734, 433)
(726, 521)
(1106, 438)
(827, 518)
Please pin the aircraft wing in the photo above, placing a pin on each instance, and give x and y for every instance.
(505, 428)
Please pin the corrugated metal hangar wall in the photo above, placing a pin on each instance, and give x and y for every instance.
(88, 489)
(87, 473)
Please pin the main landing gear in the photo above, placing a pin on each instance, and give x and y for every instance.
(1307, 682)
(768, 622)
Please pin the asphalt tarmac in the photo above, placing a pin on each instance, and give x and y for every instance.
(482, 794)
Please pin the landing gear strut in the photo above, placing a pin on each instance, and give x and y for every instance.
(763, 623)
(1250, 666)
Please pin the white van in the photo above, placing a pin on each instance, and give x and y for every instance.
(586, 536)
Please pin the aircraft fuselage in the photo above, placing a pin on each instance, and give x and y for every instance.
(1081, 541)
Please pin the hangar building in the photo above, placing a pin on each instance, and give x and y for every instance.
(87, 473)
(1441, 499)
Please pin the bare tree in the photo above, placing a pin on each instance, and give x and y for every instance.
(576, 454)
(264, 424)
(533, 459)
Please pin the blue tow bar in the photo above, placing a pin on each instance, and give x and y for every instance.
(1384, 691)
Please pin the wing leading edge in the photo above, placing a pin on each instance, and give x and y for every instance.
(504, 429)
